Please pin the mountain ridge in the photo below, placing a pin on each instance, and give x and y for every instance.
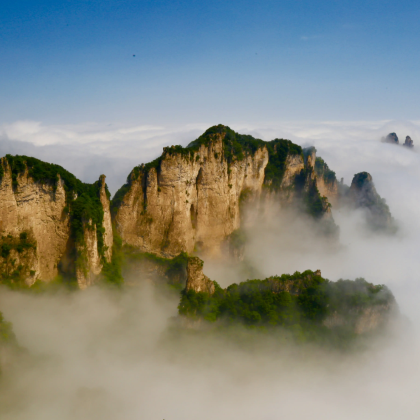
(189, 200)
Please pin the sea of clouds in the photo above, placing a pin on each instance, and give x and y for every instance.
(104, 355)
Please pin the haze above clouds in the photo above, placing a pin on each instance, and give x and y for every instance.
(91, 149)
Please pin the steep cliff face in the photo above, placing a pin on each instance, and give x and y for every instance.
(190, 198)
(326, 180)
(93, 253)
(38, 209)
(50, 222)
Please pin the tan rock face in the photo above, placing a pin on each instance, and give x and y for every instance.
(42, 211)
(193, 202)
(196, 280)
(91, 264)
(38, 209)
(191, 199)
(294, 165)
(372, 318)
(329, 190)
(362, 321)
(107, 222)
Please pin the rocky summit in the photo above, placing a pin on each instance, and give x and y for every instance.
(364, 196)
(393, 139)
(408, 142)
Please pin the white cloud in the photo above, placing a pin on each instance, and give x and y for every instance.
(90, 149)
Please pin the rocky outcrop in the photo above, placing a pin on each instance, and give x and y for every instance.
(408, 142)
(191, 198)
(39, 209)
(196, 280)
(51, 223)
(108, 236)
(390, 138)
(90, 259)
(393, 139)
(363, 195)
(89, 263)
(294, 166)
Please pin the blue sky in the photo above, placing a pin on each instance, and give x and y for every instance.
(219, 61)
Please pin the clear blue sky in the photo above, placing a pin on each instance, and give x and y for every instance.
(221, 61)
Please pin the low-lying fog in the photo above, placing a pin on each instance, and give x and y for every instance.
(106, 355)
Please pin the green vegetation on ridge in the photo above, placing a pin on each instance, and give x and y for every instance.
(235, 148)
(300, 302)
(322, 170)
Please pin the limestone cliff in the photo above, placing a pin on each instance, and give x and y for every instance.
(191, 198)
(50, 222)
